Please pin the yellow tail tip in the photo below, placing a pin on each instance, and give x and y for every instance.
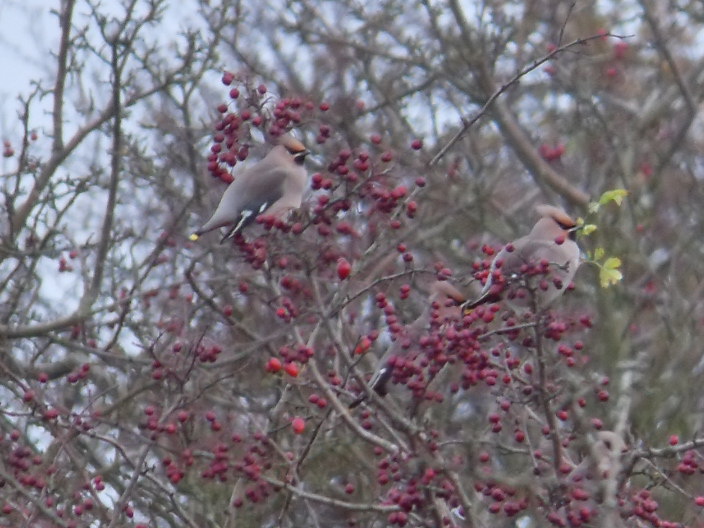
(193, 237)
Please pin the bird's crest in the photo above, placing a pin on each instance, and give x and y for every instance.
(557, 214)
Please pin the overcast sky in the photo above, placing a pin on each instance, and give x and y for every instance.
(27, 34)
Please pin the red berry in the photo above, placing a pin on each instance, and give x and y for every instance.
(399, 192)
(363, 345)
(273, 365)
(50, 414)
(298, 425)
(580, 494)
(344, 268)
(291, 369)
(227, 78)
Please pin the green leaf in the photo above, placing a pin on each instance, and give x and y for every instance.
(588, 229)
(612, 262)
(609, 273)
(593, 207)
(598, 253)
(614, 195)
(607, 277)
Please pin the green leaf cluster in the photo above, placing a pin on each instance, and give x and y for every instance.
(609, 272)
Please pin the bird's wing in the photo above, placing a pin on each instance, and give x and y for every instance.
(262, 191)
(533, 252)
(526, 252)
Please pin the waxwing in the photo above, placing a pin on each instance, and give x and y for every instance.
(272, 186)
(606, 453)
(534, 270)
(444, 301)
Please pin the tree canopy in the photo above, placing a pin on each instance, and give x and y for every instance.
(152, 380)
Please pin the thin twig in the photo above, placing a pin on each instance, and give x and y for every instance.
(468, 122)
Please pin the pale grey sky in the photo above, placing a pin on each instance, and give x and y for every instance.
(28, 32)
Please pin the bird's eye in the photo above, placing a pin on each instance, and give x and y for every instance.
(299, 157)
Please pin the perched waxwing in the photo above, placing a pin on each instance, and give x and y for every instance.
(606, 453)
(444, 301)
(272, 186)
(604, 450)
(534, 270)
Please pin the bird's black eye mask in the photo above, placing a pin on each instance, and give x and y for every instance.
(571, 230)
(299, 156)
(566, 227)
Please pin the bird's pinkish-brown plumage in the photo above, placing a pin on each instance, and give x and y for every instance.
(272, 186)
(443, 306)
(534, 270)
